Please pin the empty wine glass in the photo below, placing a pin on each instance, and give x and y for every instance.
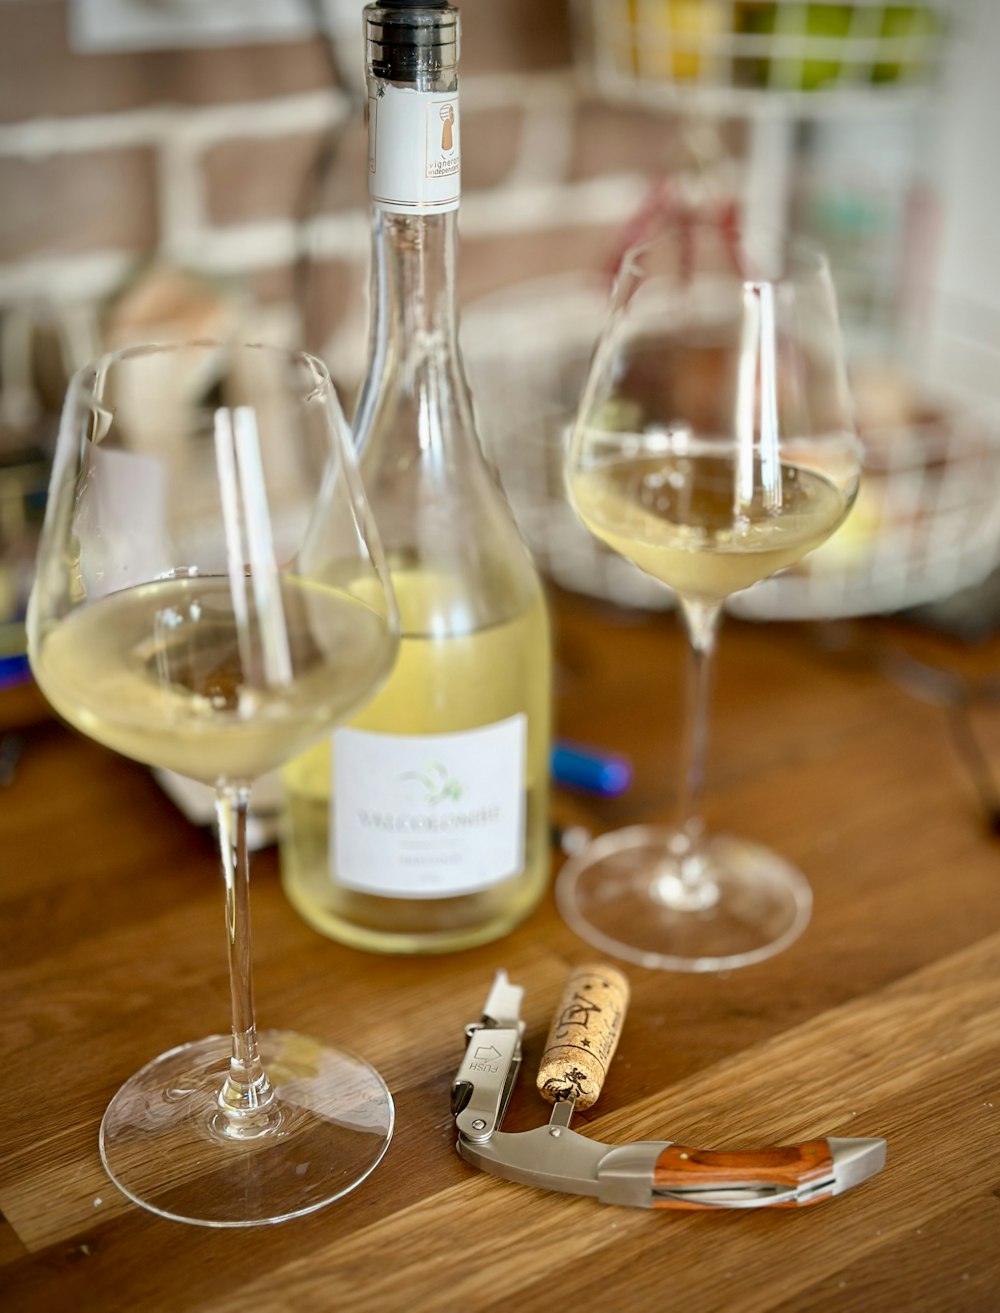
(210, 598)
(714, 445)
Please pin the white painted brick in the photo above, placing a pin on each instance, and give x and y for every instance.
(38, 138)
(64, 278)
(266, 245)
(206, 125)
(535, 195)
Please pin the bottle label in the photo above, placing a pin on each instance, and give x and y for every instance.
(429, 815)
(414, 160)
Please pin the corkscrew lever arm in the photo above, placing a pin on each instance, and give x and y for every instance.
(485, 1080)
(646, 1174)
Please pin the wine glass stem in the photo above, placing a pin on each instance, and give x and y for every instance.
(686, 883)
(245, 1100)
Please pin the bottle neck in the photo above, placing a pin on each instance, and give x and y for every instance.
(414, 328)
(414, 159)
(413, 282)
(414, 184)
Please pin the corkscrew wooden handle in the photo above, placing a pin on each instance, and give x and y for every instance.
(583, 1035)
(785, 1167)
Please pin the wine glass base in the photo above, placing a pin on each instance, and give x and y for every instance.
(331, 1121)
(623, 894)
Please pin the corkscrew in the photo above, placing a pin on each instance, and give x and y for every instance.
(646, 1174)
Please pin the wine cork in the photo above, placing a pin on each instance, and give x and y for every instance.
(583, 1035)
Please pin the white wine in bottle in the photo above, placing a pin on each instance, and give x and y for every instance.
(422, 826)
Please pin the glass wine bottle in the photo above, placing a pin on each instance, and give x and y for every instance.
(421, 826)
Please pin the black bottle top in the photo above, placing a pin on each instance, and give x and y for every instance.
(411, 40)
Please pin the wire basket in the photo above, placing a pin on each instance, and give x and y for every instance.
(927, 521)
(732, 56)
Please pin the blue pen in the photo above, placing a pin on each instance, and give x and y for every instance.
(589, 769)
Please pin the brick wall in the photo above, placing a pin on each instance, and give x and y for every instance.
(246, 166)
(212, 161)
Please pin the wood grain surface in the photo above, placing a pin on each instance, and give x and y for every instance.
(883, 1019)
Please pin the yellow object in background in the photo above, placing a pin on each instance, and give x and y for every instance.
(785, 45)
(674, 39)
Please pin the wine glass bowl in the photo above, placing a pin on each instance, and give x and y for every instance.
(210, 598)
(713, 446)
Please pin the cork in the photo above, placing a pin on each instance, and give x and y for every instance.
(583, 1035)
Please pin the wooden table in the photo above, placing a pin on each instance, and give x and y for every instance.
(883, 1019)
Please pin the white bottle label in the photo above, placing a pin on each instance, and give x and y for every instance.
(414, 160)
(429, 815)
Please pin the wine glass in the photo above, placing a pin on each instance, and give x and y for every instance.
(714, 445)
(210, 598)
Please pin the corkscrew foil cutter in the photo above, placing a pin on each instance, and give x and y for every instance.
(646, 1174)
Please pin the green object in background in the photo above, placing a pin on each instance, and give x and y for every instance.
(829, 22)
(901, 21)
(834, 25)
(751, 18)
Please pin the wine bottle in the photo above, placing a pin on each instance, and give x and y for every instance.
(422, 825)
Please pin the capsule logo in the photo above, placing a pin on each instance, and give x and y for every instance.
(447, 128)
(442, 153)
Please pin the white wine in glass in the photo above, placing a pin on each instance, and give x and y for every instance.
(714, 445)
(211, 598)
